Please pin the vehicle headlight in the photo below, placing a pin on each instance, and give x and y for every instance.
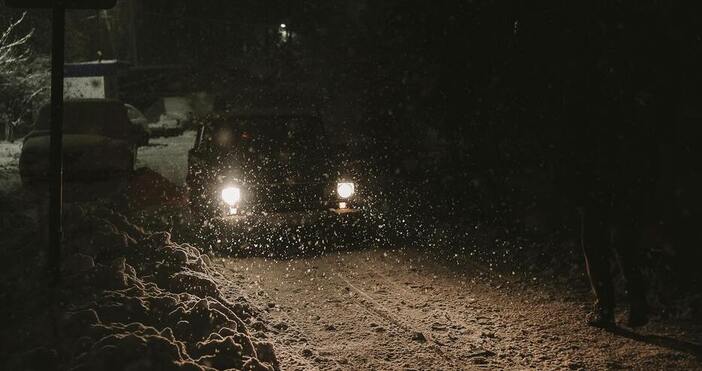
(345, 189)
(231, 195)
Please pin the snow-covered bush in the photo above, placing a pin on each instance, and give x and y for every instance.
(24, 81)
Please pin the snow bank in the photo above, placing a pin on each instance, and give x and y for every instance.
(139, 301)
(148, 189)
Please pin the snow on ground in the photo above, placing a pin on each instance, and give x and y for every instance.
(9, 166)
(127, 299)
(404, 310)
(136, 299)
(168, 156)
(9, 153)
(401, 309)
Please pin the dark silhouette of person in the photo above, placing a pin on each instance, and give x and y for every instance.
(617, 106)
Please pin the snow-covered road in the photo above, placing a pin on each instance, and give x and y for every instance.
(386, 310)
(168, 156)
(402, 309)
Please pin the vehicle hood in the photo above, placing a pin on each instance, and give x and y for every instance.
(278, 168)
(39, 143)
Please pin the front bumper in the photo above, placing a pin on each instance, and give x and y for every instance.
(285, 233)
(258, 202)
(290, 219)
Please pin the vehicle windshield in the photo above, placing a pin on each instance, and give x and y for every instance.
(266, 134)
(93, 118)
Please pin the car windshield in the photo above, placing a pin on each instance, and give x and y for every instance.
(266, 134)
(90, 118)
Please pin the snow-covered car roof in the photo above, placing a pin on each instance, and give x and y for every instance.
(89, 116)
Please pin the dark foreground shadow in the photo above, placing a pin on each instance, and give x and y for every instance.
(688, 347)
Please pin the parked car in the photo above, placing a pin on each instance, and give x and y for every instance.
(141, 124)
(98, 142)
(264, 170)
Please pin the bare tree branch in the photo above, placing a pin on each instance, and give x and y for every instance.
(23, 79)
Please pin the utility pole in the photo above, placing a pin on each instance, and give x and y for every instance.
(58, 29)
(98, 35)
(133, 32)
(56, 157)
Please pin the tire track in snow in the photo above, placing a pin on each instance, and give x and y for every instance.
(472, 346)
(385, 313)
(232, 271)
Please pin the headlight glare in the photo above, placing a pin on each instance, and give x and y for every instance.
(231, 195)
(345, 189)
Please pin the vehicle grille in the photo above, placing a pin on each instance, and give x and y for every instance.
(287, 197)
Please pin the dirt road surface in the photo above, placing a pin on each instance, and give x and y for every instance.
(400, 310)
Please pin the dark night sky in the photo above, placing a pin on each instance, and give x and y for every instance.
(508, 85)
